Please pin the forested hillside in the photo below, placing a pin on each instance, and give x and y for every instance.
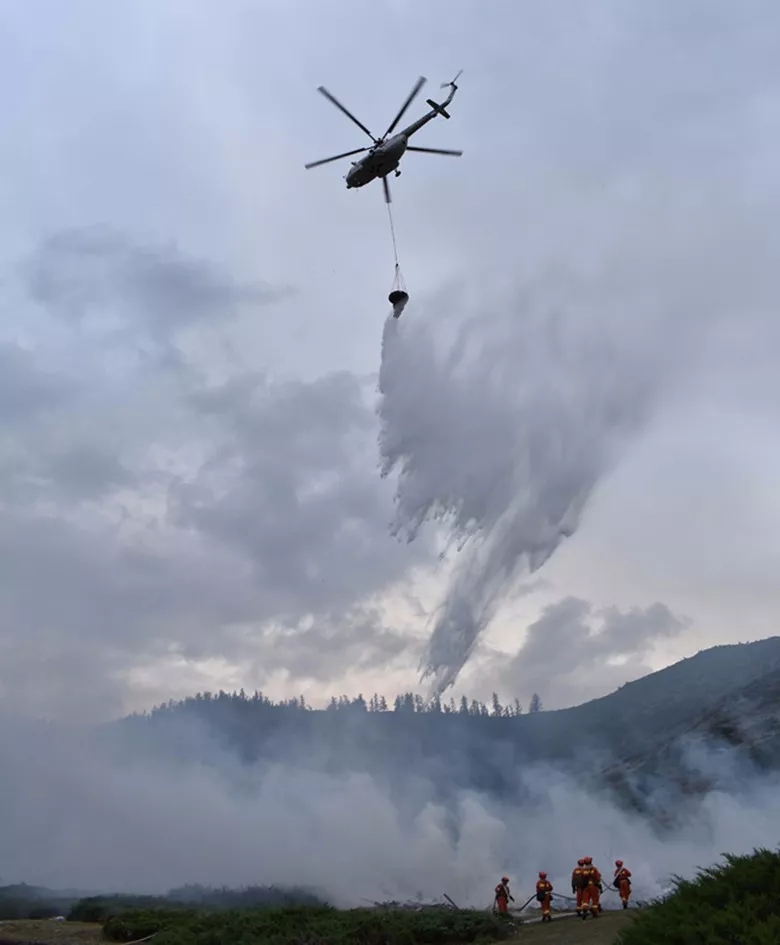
(728, 696)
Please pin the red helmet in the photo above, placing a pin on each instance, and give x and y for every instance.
(504, 879)
(542, 874)
(588, 860)
(581, 861)
(618, 862)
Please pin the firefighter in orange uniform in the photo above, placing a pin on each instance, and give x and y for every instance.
(503, 896)
(578, 883)
(586, 888)
(544, 889)
(591, 896)
(622, 882)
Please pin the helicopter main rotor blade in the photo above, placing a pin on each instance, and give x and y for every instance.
(349, 114)
(387, 190)
(336, 157)
(412, 95)
(435, 151)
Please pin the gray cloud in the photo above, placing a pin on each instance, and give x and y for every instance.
(326, 648)
(160, 508)
(25, 389)
(97, 272)
(291, 490)
(575, 651)
(87, 472)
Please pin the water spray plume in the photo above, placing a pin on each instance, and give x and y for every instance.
(500, 436)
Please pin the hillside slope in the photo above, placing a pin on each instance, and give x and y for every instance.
(728, 696)
(672, 700)
(736, 736)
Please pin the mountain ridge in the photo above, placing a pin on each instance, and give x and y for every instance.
(726, 697)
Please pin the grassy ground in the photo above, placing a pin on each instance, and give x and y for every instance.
(601, 931)
(46, 932)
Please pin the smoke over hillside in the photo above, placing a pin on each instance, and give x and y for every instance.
(356, 805)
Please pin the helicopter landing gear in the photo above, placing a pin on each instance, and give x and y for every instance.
(397, 173)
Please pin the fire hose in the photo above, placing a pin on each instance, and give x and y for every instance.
(608, 887)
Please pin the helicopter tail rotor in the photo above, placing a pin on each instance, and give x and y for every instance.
(445, 85)
(442, 109)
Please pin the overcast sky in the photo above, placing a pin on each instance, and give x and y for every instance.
(191, 333)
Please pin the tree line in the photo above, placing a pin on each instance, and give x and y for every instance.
(408, 703)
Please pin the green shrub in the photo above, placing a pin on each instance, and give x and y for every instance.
(309, 925)
(734, 903)
(12, 907)
(101, 908)
(132, 924)
(92, 909)
(250, 897)
(43, 910)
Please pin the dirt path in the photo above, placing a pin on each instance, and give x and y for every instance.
(573, 931)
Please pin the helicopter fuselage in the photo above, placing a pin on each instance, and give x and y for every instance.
(380, 161)
(384, 155)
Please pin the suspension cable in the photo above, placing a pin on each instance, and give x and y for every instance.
(392, 233)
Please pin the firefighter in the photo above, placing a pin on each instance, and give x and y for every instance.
(592, 897)
(544, 890)
(503, 896)
(586, 888)
(622, 882)
(578, 883)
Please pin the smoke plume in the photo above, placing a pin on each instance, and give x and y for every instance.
(75, 815)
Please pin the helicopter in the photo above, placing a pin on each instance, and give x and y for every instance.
(386, 153)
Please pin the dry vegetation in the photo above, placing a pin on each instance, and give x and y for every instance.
(49, 932)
